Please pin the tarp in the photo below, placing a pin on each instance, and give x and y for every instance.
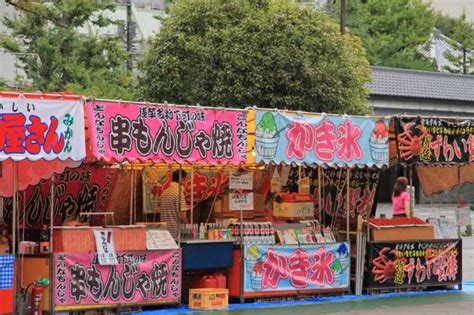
(305, 138)
(452, 176)
(42, 133)
(161, 133)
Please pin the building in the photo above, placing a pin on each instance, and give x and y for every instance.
(411, 92)
(454, 8)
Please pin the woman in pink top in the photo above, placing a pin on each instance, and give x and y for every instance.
(401, 198)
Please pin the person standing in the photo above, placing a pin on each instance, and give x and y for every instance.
(173, 205)
(401, 198)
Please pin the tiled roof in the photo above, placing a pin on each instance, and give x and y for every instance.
(422, 84)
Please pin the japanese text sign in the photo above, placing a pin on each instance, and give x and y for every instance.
(296, 268)
(241, 180)
(163, 133)
(241, 201)
(434, 141)
(406, 264)
(139, 278)
(285, 137)
(104, 241)
(84, 189)
(41, 129)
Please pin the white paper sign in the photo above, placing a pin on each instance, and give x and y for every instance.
(159, 239)
(241, 201)
(104, 242)
(241, 180)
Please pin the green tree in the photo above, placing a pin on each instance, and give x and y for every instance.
(462, 40)
(268, 53)
(55, 56)
(391, 30)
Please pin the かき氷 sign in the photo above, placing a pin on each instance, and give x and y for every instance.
(332, 140)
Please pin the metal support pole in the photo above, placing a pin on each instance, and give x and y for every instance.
(192, 195)
(319, 196)
(131, 196)
(14, 225)
(51, 255)
(51, 213)
(348, 206)
(14, 209)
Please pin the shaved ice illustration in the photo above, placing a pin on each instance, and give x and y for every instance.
(343, 255)
(252, 257)
(338, 274)
(256, 276)
(378, 142)
(266, 136)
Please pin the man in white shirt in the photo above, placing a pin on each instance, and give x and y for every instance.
(173, 204)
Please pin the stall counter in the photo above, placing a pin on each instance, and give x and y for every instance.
(277, 270)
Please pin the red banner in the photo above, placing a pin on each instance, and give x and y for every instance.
(85, 189)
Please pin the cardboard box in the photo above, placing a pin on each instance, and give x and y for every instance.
(208, 299)
(409, 233)
(222, 211)
(293, 207)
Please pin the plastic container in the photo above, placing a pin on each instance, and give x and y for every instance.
(221, 280)
(209, 281)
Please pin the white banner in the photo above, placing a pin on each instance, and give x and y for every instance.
(41, 129)
(104, 241)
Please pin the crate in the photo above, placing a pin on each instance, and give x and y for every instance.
(208, 299)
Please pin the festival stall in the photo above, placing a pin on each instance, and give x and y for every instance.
(156, 139)
(414, 253)
(321, 171)
(40, 135)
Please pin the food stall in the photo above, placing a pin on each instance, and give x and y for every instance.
(157, 139)
(42, 134)
(413, 253)
(308, 253)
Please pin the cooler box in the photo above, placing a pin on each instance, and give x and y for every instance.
(293, 206)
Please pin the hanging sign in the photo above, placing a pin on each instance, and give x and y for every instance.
(37, 129)
(287, 137)
(240, 201)
(241, 180)
(149, 277)
(296, 268)
(434, 140)
(160, 133)
(84, 189)
(206, 184)
(105, 245)
(411, 264)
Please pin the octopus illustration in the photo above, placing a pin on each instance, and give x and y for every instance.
(384, 268)
(410, 144)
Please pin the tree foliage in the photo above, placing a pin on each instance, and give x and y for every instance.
(463, 43)
(268, 53)
(391, 30)
(55, 56)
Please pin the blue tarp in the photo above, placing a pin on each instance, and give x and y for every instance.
(467, 286)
